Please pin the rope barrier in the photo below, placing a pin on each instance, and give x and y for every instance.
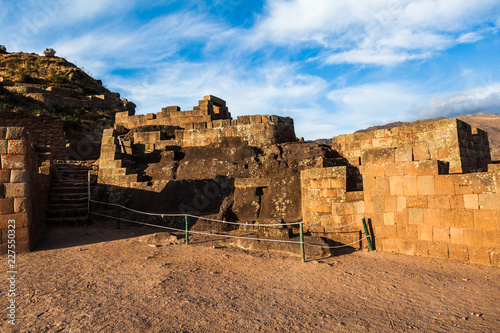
(195, 216)
(336, 247)
(227, 236)
(198, 232)
(345, 225)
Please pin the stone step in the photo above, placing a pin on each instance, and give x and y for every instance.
(68, 178)
(70, 175)
(65, 212)
(70, 170)
(79, 220)
(69, 183)
(67, 197)
(64, 200)
(75, 206)
(68, 190)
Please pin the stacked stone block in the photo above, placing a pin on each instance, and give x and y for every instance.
(149, 141)
(257, 130)
(481, 148)
(418, 211)
(328, 208)
(413, 203)
(111, 165)
(208, 123)
(414, 207)
(24, 185)
(44, 130)
(209, 109)
(449, 140)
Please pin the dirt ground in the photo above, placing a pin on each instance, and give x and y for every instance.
(100, 279)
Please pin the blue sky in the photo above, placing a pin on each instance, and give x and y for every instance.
(333, 66)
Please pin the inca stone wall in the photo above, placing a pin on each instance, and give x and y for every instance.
(413, 203)
(416, 210)
(24, 186)
(449, 140)
(45, 130)
(257, 130)
(417, 186)
(209, 109)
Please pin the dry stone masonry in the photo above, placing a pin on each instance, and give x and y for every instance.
(24, 185)
(415, 192)
(429, 189)
(45, 130)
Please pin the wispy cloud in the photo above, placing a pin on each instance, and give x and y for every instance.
(483, 99)
(357, 31)
(271, 89)
(28, 20)
(376, 104)
(372, 104)
(138, 46)
(173, 52)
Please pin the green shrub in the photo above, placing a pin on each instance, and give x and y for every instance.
(49, 52)
(70, 122)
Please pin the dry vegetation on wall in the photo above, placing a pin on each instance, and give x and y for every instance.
(51, 71)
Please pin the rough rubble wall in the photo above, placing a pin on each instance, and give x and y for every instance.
(208, 123)
(24, 186)
(449, 140)
(44, 130)
(330, 204)
(209, 109)
(67, 97)
(264, 172)
(395, 179)
(111, 165)
(257, 130)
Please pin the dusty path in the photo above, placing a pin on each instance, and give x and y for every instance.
(72, 285)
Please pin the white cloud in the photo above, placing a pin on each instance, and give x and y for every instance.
(372, 104)
(482, 99)
(470, 37)
(76, 10)
(136, 47)
(30, 23)
(373, 57)
(380, 103)
(400, 30)
(272, 89)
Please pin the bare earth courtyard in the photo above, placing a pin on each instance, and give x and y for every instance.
(100, 279)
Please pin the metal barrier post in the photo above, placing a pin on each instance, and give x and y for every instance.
(302, 252)
(187, 228)
(88, 196)
(370, 247)
(118, 217)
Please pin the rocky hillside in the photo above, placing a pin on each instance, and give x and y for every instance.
(35, 84)
(487, 122)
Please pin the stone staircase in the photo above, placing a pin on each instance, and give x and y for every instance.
(68, 198)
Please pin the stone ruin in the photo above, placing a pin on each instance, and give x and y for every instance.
(429, 189)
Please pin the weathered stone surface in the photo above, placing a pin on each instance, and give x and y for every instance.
(252, 169)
